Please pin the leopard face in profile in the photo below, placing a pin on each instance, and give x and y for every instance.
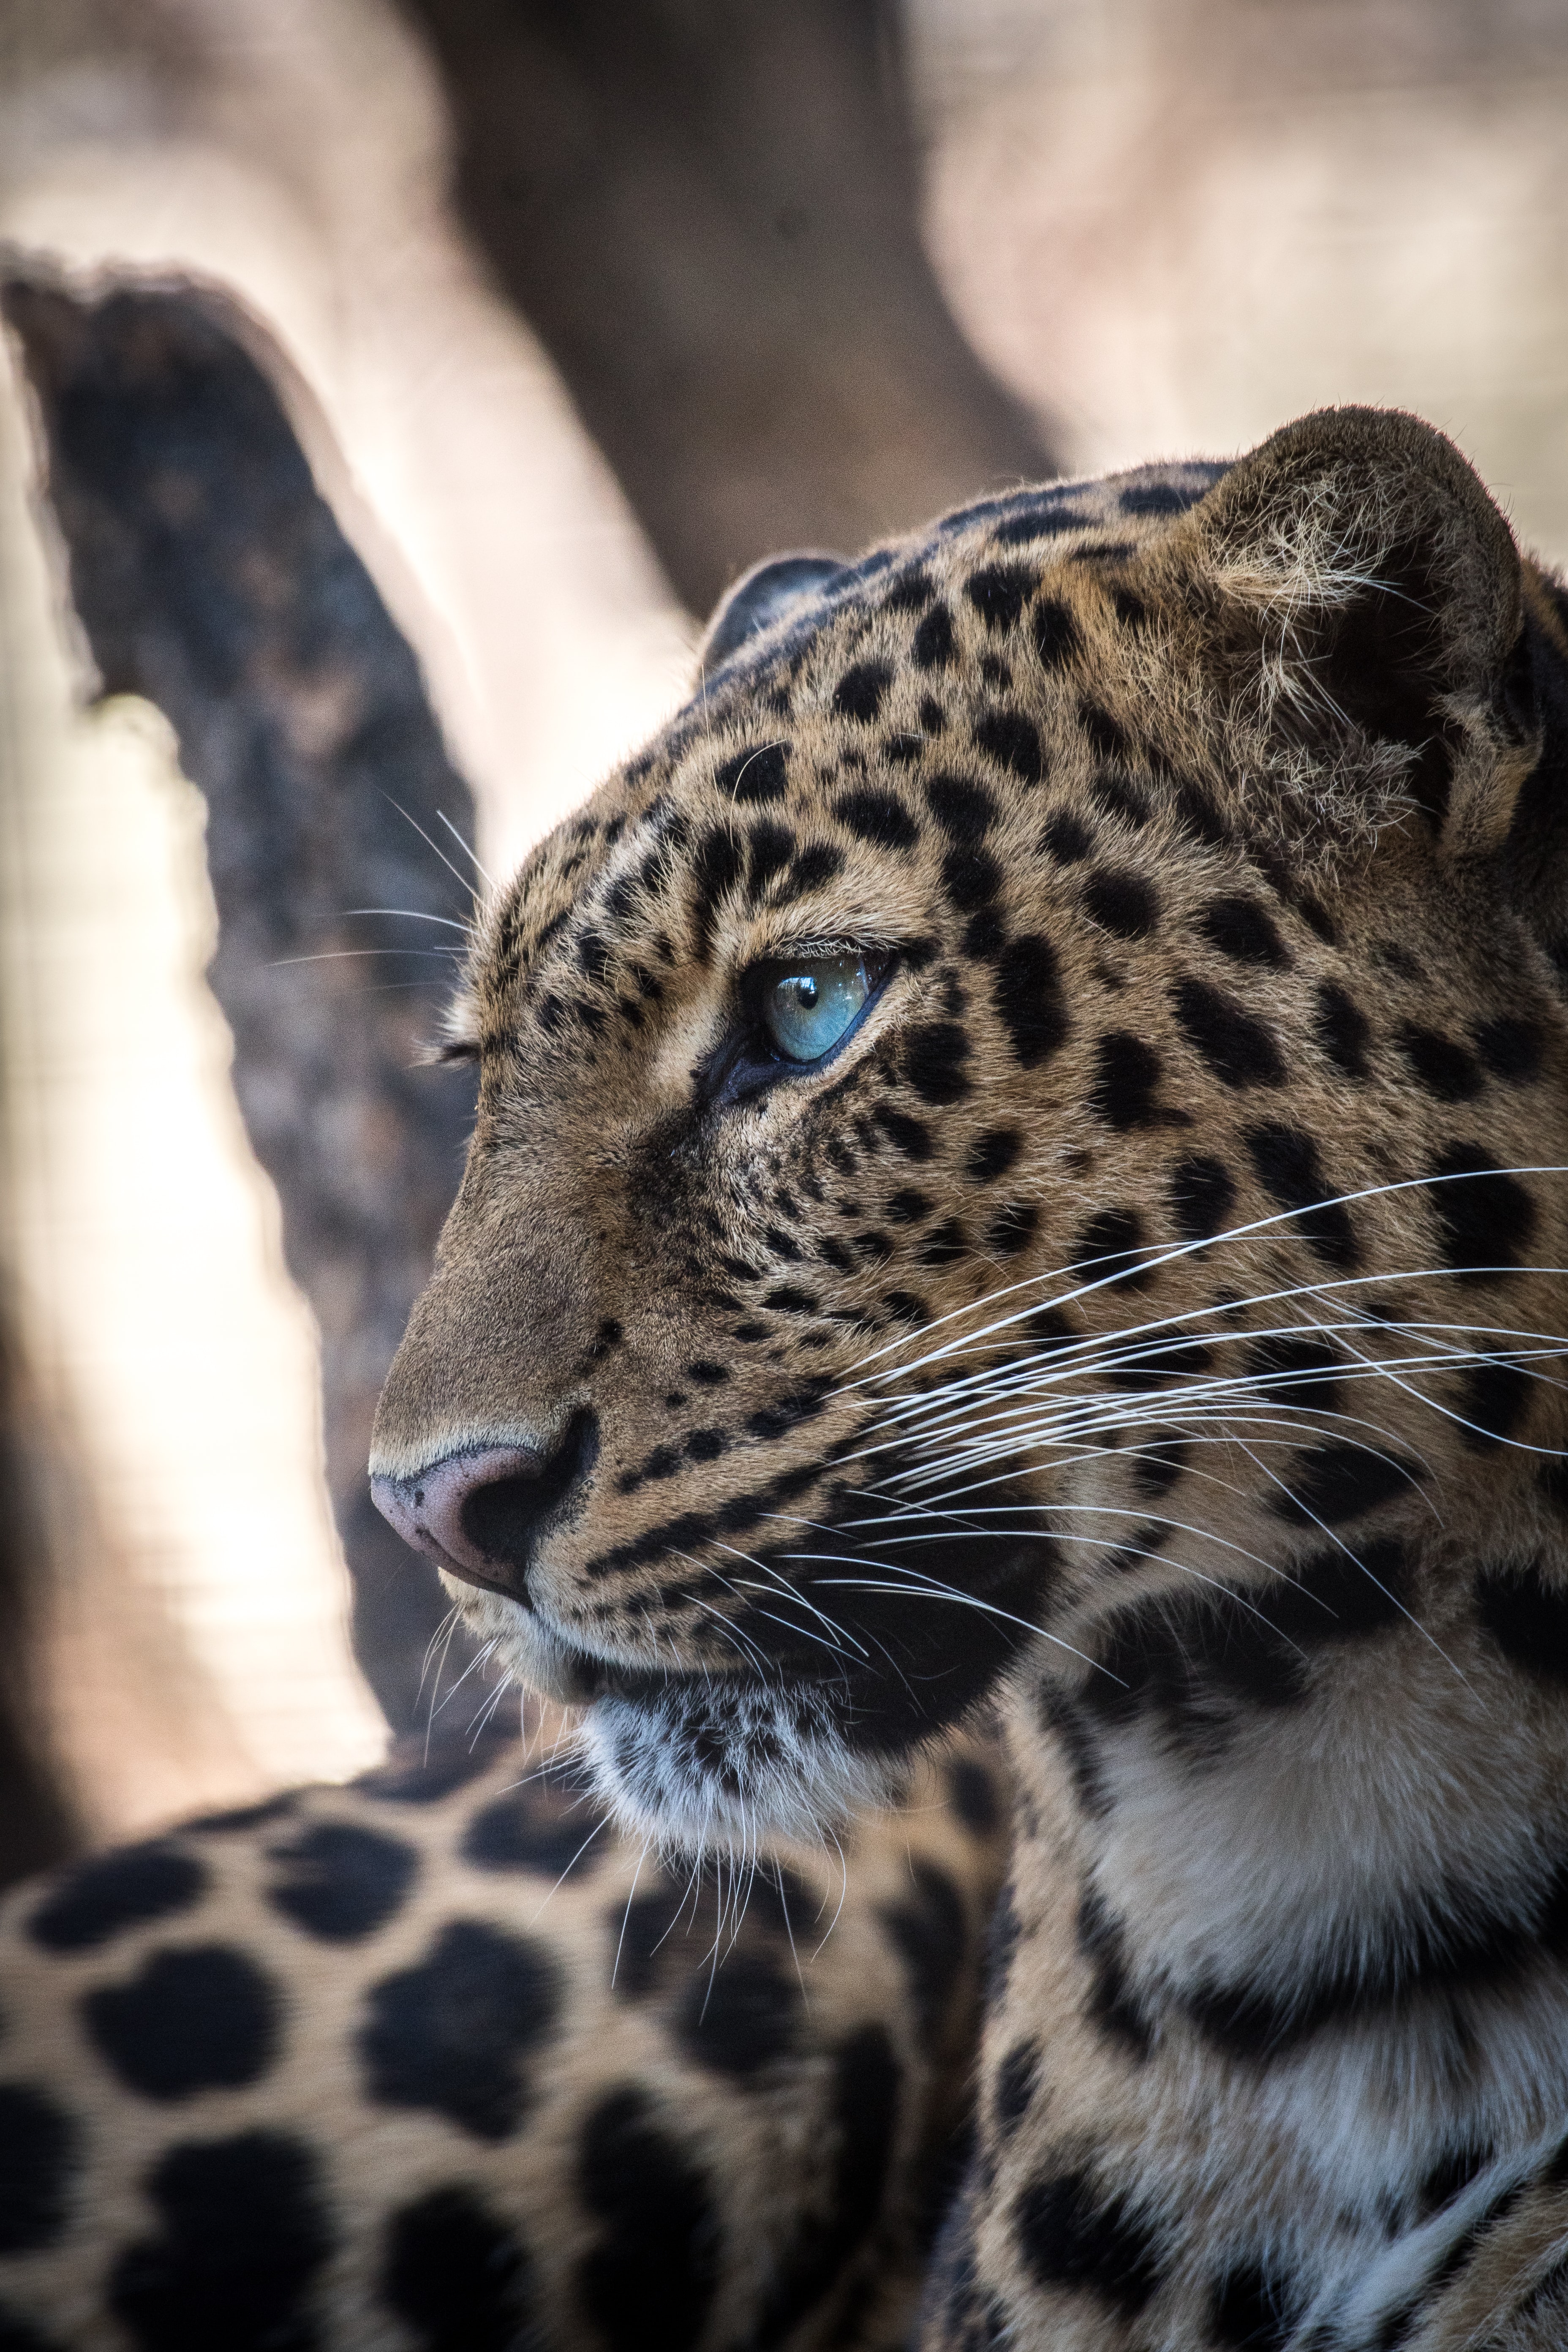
(1018, 1162)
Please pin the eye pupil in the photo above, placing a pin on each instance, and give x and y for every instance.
(808, 1003)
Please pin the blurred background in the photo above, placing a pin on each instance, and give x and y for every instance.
(387, 392)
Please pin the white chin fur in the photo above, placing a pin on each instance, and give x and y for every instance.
(721, 1766)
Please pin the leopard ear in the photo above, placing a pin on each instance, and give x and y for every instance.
(761, 597)
(1361, 596)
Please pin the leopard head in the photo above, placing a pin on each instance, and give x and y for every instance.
(1038, 1086)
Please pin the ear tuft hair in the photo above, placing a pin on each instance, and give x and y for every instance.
(761, 597)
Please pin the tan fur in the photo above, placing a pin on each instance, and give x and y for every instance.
(1149, 1321)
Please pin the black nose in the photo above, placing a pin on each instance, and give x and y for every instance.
(479, 1512)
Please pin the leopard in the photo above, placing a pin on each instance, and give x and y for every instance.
(1015, 1192)
(1019, 1166)
(443, 2061)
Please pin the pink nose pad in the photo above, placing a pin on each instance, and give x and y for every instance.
(474, 1513)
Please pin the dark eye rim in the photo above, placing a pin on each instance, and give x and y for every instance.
(746, 1063)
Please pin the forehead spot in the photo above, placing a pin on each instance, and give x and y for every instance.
(860, 692)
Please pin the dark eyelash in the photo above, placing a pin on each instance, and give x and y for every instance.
(457, 1049)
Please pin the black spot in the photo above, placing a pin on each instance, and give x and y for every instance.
(103, 1897)
(772, 847)
(1333, 1482)
(1126, 1071)
(1013, 741)
(1056, 633)
(1341, 1029)
(1017, 2078)
(1118, 796)
(1012, 1228)
(1195, 1664)
(759, 773)
(1494, 1396)
(1445, 1069)
(1106, 736)
(340, 1882)
(1527, 1616)
(813, 867)
(860, 691)
(907, 1207)
(879, 818)
(1125, 903)
(930, 1932)
(1158, 1471)
(640, 1938)
(944, 1246)
(971, 878)
(456, 2275)
(973, 1792)
(1110, 1246)
(1249, 2312)
(1026, 993)
(245, 2232)
(1240, 927)
(1287, 1164)
(1111, 2006)
(908, 592)
(911, 1135)
(1157, 498)
(994, 1154)
(789, 1298)
(546, 1833)
(1511, 1049)
(964, 809)
(933, 719)
(1300, 1372)
(1238, 1050)
(1067, 837)
(1202, 1196)
(451, 2035)
(934, 1053)
(999, 593)
(932, 646)
(863, 2117)
(649, 2282)
(1074, 2234)
(37, 2156)
(742, 2016)
(1484, 1216)
(717, 864)
(204, 2018)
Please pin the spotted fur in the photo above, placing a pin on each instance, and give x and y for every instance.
(442, 2062)
(1148, 1318)
(1146, 1322)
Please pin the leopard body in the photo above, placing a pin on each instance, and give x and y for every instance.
(1142, 1323)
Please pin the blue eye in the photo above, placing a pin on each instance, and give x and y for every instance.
(808, 1002)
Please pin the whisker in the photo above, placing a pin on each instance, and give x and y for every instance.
(468, 852)
(434, 847)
